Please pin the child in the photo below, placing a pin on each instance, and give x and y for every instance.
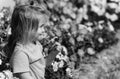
(25, 52)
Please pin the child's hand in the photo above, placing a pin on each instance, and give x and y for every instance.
(52, 53)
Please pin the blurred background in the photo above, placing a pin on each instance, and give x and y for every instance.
(86, 30)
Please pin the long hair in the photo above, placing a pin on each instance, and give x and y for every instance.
(24, 24)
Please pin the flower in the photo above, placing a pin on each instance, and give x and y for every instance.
(55, 66)
(59, 56)
(8, 31)
(61, 64)
(89, 29)
(69, 71)
(112, 5)
(112, 17)
(2, 76)
(72, 41)
(65, 50)
(100, 40)
(90, 51)
(1, 15)
(100, 26)
(9, 74)
(81, 26)
(80, 38)
(98, 10)
(62, 3)
(80, 52)
(50, 5)
(110, 26)
(65, 58)
(65, 26)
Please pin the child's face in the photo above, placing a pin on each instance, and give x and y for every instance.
(41, 32)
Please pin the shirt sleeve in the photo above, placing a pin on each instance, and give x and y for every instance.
(20, 62)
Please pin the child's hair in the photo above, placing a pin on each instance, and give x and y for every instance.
(24, 24)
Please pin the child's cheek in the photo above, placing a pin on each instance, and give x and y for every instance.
(41, 33)
(41, 36)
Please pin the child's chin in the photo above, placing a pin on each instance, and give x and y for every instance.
(40, 37)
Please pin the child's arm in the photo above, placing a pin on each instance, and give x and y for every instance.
(52, 54)
(20, 65)
(51, 57)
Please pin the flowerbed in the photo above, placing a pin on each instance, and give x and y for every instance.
(85, 32)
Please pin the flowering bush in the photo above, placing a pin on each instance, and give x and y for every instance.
(5, 73)
(85, 34)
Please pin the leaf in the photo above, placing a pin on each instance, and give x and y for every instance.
(71, 65)
(73, 57)
(72, 41)
(80, 38)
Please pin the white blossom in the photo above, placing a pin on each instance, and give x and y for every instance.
(89, 29)
(100, 26)
(1, 15)
(50, 5)
(59, 47)
(65, 58)
(65, 50)
(80, 52)
(89, 23)
(100, 40)
(81, 26)
(112, 5)
(117, 10)
(114, 17)
(90, 51)
(69, 72)
(111, 26)
(9, 74)
(97, 9)
(62, 3)
(65, 26)
(80, 38)
(107, 15)
(73, 15)
(9, 31)
(55, 66)
(61, 64)
(66, 10)
(2, 76)
(58, 55)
